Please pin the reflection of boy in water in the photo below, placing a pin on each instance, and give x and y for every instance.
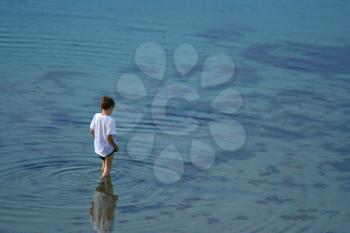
(103, 207)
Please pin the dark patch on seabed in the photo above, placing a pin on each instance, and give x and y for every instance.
(342, 150)
(280, 133)
(274, 199)
(320, 185)
(60, 79)
(294, 96)
(246, 76)
(227, 32)
(269, 170)
(297, 217)
(345, 182)
(241, 217)
(341, 166)
(242, 154)
(291, 183)
(58, 75)
(319, 59)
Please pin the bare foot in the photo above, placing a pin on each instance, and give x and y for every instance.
(104, 177)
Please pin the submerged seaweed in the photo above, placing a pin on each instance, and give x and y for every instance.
(320, 59)
(228, 32)
(341, 166)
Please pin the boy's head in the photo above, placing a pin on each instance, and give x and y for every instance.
(107, 103)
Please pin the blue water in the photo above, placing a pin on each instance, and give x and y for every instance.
(287, 171)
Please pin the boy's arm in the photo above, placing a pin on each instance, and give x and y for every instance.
(112, 142)
(92, 132)
(92, 125)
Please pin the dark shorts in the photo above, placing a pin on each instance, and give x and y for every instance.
(103, 158)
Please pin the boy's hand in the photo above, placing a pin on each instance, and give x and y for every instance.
(116, 148)
(112, 142)
(92, 132)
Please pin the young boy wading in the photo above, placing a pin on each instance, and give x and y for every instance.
(102, 129)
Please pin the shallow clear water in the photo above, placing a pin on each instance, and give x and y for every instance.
(292, 66)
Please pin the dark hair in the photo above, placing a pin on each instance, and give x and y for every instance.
(107, 102)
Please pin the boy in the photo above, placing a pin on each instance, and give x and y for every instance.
(102, 129)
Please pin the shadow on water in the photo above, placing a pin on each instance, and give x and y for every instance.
(103, 207)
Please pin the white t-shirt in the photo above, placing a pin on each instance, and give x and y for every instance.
(103, 126)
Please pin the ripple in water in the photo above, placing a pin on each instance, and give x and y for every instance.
(57, 185)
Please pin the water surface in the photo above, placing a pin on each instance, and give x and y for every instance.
(291, 67)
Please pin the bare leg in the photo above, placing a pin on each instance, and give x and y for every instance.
(108, 166)
(103, 166)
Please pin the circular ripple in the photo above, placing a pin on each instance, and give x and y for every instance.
(136, 183)
(56, 184)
